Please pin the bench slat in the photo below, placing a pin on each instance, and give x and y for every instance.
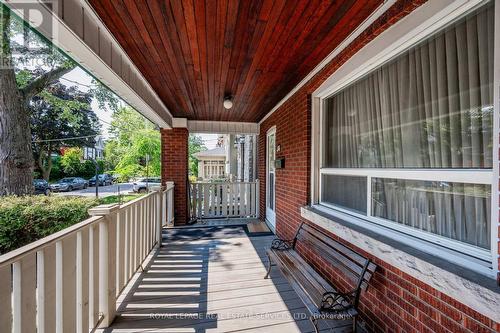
(308, 301)
(322, 282)
(308, 284)
(354, 277)
(338, 257)
(297, 270)
(301, 270)
(359, 259)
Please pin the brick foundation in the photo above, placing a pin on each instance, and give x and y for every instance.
(395, 301)
(174, 168)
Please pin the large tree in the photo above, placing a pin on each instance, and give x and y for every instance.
(61, 116)
(16, 157)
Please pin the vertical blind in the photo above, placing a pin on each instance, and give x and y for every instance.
(430, 107)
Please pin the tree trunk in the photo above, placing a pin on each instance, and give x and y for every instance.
(45, 162)
(16, 157)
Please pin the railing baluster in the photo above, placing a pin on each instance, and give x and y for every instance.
(91, 276)
(252, 199)
(146, 226)
(239, 199)
(224, 200)
(69, 283)
(247, 198)
(206, 200)
(126, 247)
(220, 200)
(46, 293)
(120, 250)
(82, 286)
(151, 222)
(6, 298)
(215, 200)
(199, 199)
(94, 296)
(231, 199)
(24, 291)
(131, 238)
(257, 194)
(137, 249)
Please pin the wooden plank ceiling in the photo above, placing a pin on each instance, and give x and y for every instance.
(194, 52)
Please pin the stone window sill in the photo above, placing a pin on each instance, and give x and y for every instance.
(468, 287)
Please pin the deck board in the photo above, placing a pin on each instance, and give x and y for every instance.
(213, 282)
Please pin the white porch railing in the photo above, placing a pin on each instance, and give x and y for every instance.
(220, 200)
(70, 280)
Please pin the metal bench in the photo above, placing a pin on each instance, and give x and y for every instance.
(322, 300)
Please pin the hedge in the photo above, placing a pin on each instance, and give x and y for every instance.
(26, 219)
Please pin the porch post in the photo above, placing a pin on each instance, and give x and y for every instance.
(174, 168)
(107, 261)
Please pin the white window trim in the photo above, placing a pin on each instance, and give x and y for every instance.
(423, 22)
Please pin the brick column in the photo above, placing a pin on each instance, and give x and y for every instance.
(174, 167)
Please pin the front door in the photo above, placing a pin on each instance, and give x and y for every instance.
(270, 178)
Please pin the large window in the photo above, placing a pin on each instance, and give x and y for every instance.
(410, 145)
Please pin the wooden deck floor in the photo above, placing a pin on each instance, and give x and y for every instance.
(211, 280)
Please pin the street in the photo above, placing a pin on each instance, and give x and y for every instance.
(104, 191)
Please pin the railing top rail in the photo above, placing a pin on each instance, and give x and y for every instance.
(16, 255)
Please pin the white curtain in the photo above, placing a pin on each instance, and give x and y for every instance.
(431, 107)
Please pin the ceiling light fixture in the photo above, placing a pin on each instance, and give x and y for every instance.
(228, 102)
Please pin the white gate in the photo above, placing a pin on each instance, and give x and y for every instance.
(218, 200)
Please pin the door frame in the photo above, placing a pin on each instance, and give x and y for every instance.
(270, 214)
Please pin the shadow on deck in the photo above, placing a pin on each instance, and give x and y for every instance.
(211, 280)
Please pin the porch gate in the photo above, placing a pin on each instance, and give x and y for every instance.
(224, 200)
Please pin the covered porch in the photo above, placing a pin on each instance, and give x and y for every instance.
(290, 73)
(211, 279)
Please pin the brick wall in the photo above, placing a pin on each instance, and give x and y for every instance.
(395, 301)
(174, 157)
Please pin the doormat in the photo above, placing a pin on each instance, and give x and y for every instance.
(255, 229)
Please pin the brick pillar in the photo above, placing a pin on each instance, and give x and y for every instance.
(174, 167)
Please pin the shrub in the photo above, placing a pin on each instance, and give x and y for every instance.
(71, 161)
(26, 219)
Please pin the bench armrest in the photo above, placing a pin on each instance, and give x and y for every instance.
(333, 301)
(281, 244)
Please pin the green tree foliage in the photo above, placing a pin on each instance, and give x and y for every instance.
(195, 146)
(59, 115)
(16, 93)
(73, 165)
(71, 161)
(133, 139)
(32, 99)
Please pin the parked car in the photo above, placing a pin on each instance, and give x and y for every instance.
(41, 186)
(104, 179)
(69, 184)
(142, 185)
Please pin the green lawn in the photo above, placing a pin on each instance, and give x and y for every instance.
(119, 199)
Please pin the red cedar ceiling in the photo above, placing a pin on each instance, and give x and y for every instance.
(194, 52)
